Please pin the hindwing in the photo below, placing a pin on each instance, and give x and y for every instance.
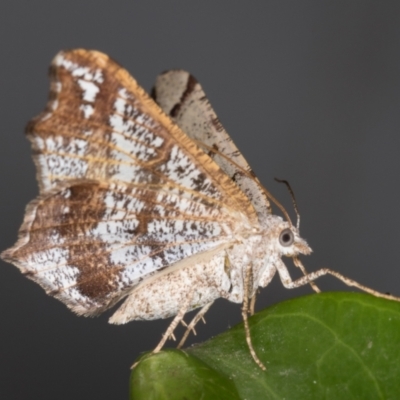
(181, 97)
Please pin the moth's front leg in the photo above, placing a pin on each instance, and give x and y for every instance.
(308, 278)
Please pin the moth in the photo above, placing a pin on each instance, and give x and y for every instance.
(148, 201)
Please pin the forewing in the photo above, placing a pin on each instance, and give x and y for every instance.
(99, 124)
(124, 192)
(180, 95)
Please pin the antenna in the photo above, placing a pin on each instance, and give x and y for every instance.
(246, 173)
(293, 200)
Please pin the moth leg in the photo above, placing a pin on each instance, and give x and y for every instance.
(253, 303)
(299, 264)
(193, 323)
(245, 311)
(178, 318)
(290, 284)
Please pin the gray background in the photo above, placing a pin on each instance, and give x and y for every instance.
(309, 91)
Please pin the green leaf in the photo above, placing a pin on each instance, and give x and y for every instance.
(173, 374)
(328, 345)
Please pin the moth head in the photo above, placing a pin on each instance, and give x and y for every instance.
(287, 239)
(288, 236)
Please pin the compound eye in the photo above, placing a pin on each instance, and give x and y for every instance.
(286, 237)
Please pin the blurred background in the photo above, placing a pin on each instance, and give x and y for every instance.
(309, 91)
